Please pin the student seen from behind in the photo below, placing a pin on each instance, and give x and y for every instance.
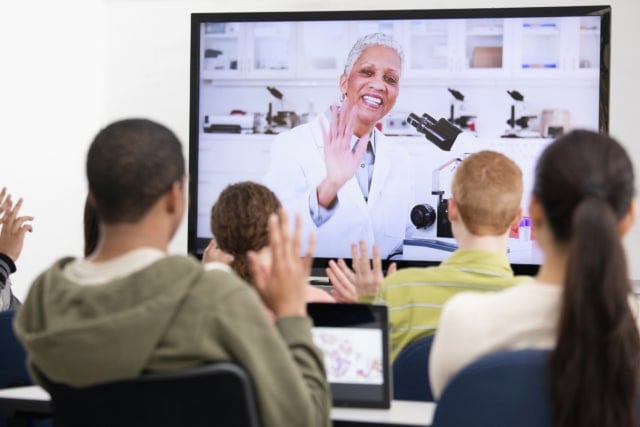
(239, 225)
(581, 305)
(485, 204)
(131, 308)
(13, 229)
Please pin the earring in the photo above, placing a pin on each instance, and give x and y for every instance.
(343, 96)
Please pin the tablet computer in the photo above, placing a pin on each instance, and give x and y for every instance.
(354, 339)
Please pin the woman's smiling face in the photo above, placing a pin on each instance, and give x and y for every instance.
(372, 85)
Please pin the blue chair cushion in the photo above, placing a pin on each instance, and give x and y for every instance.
(411, 371)
(507, 388)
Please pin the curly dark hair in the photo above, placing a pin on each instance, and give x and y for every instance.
(239, 222)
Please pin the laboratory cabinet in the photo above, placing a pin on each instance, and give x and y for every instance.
(300, 50)
(460, 48)
(234, 50)
(455, 48)
(224, 159)
(556, 47)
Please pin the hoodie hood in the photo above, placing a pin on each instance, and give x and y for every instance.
(83, 335)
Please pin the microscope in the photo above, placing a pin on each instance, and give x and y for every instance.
(444, 135)
(519, 122)
(463, 121)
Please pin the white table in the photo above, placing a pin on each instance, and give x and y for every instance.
(35, 400)
(401, 413)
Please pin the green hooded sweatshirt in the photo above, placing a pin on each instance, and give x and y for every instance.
(173, 315)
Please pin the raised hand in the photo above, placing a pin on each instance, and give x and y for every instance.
(14, 227)
(340, 161)
(5, 201)
(213, 253)
(282, 285)
(361, 281)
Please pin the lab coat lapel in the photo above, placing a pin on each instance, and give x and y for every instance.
(316, 166)
(381, 168)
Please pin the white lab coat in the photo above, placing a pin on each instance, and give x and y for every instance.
(296, 169)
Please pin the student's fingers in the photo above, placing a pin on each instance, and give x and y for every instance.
(297, 237)
(341, 269)
(355, 258)
(19, 223)
(225, 258)
(12, 213)
(5, 206)
(392, 269)
(377, 262)
(284, 232)
(275, 239)
(3, 194)
(308, 258)
(207, 255)
(348, 273)
(341, 285)
(259, 272)
(363, 258)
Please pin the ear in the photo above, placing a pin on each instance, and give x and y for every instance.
(536, 213)
(174, 197)
(453, 213)
(343, 83)
(91, 199)
(628, 220)
(516, 220)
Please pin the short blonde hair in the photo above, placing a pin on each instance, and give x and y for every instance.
(487, 187)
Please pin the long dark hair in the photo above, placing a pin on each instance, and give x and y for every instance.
(585, 183)
(91, 228)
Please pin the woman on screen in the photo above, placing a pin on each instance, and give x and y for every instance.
(346, 178)
(581, 304)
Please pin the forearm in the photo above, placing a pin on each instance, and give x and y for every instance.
(309, 360)
(7, 267)
(286, 368)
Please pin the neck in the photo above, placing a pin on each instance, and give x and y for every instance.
(119, 239)
(467, 240)
(554, 268)
(362, 130)
(496, 244)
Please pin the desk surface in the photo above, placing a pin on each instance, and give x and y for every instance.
(402, 412)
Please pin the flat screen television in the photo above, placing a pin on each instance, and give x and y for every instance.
(508, 79)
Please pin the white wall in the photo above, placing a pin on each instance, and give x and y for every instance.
(51, 103)
(70, 66)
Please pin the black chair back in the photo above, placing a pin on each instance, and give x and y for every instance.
(411, 371)
(218, 395)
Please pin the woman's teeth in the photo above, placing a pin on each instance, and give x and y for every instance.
(372, 100)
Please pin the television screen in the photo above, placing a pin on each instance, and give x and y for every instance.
(508, 80)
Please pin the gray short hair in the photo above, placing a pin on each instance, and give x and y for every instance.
(374, 39)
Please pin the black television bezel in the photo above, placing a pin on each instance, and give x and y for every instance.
(195, 245)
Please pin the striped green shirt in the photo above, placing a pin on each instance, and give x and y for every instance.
(415, 295)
